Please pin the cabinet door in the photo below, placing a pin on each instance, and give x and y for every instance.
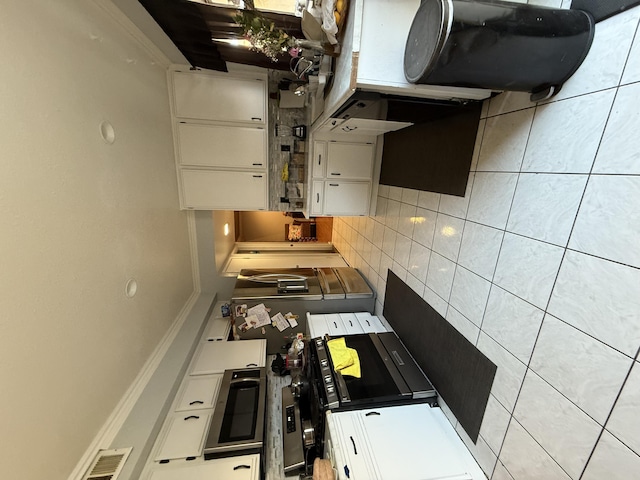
(346, 198)
(350, 160)
(317, 325)
(199, 393)
(244, 467)
(399, 435)
(216, 357)
(335, 327)
(319, 159)
(183, 436)
(219, 97)
(353, 459)
(223, 190)
(222, 146)
(317, 198)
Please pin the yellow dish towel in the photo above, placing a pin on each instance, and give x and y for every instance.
(345, 359)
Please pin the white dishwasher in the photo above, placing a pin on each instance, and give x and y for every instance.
(411, 442)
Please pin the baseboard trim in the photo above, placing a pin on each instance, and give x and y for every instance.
(107, 433)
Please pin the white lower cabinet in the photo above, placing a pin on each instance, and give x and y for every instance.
(350, 198)
(216, 357)
(198, 393)
(244, 467)
(183, 436)
(336, 324)
(412, 442)
(223, 189)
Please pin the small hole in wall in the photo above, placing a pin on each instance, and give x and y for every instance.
(131, 288)
(107, 132)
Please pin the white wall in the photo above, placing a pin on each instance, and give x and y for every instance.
(78, 218)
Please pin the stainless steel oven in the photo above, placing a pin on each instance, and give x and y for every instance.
(389, 376)
(237, 425)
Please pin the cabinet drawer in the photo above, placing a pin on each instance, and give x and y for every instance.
(222, 146)
(370, 323)
(199, 393)
(319, 159)
(223, 190)
(317, 198)
(183, 437)
(244, 467)
(351, 323)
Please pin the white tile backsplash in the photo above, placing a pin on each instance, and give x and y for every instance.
(561, 428)
(479, 249)
(440, 275)
(609, 219)
(525, 459)
(504, 142)
(619, 152)
(565, 135)
(512, 322)
(586, 371)
(491, 198)
(510, 372)
(469, 294)
(545, 206)
(528, 214)
(625, 421)
(447, 236)
(600, 298)
(527, 268)
(611, 460)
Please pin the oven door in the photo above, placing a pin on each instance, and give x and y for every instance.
(237, 425)
(380, 383)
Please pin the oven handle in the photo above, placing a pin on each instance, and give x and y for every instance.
(244, 380)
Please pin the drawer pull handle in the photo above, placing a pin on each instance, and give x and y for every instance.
(335, 173)
(252, 364)
(353, 442)
(334, 185)
(257, 176)
(256, 119)
(191, 416)
(197, 402)
(319, 158)
(372, 413)
(238, 467)
(257, 164)
(367, 322)
(350, 323)
(335, 324)
(317, 198)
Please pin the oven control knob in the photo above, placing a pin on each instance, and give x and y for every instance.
(330, 389)
(328, 379)
(324, 362)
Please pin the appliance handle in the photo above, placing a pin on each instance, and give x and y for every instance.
(275, 277)
(244, 380)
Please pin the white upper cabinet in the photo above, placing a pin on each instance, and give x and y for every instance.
(221, 142)
(205, 96)
(222, 146)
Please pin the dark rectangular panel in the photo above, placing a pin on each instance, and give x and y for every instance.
(460, 373)
(434, 155)
(603, 9)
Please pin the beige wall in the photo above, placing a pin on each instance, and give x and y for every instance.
(78, 218)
